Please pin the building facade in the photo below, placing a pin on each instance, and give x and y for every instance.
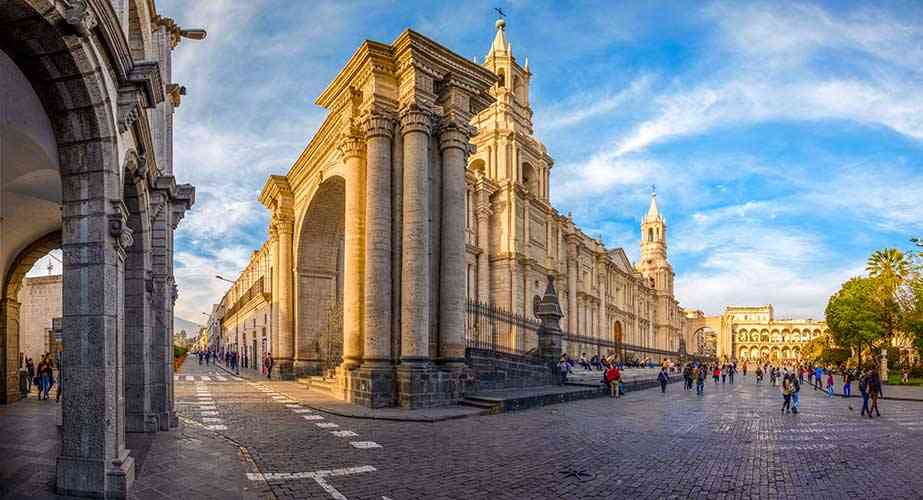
(752, 334)
(40, 299)
(423, 188)
(86, 109)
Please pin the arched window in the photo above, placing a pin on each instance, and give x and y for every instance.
(501, 81)
(650, 234)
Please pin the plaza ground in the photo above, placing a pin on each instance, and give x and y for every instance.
(264, 436)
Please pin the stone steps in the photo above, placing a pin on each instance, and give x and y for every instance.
(317, 383)
(492, 406)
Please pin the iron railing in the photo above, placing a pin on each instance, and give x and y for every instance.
(491, 328)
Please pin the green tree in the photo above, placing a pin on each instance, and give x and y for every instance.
(855, 315)
(891, 265)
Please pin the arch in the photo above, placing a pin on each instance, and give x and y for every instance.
(140, 40)
(319, 279)
(706, 341)
(501, 78)
(764, 335)
(743, 353)
(650, 234)
(478, 166)
(754, 353)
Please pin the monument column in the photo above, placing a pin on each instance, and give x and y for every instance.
(453, 141)
(483, 214)
(378, 242)
(571, 284)
(352, 147)
(415, 279)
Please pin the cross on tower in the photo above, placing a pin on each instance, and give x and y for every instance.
(499, 11)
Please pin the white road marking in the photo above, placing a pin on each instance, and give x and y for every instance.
(326, 425)
(238, 379)
(212, 420)
(364, 445)
(219, 377)
(208, 407)
(189, 378)
(318, 476)
(216, 427)
(209, 413)
(302, 410)
(293, 406)
(175, 377)
(279, 397)
(206, 378)
(312, 417)
(344, 434)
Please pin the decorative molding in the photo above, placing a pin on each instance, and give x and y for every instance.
(119, 230)
(351, 144)
(378, 125)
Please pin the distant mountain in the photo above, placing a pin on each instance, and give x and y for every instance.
(180, 324)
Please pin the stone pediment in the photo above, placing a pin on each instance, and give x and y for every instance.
(621, 260)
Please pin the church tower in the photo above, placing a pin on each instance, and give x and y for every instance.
(657, 270)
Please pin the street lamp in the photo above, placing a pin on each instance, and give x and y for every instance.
(223, 279)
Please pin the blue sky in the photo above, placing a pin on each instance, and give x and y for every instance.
(786, 141)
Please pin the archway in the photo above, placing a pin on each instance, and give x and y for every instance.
(706, 341)
(320, 264)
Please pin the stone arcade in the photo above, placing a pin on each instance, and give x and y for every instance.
(86, 105)
(423, 188)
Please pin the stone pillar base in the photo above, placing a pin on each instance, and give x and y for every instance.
(306, 367)
(86, 477)
(426, 386)
(285, 369)
(371, 386)
(172, 420)
(142, 422)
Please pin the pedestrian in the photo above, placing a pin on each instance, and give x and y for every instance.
(874, 392)
(664, 379)
(772, 376)
(30, 368)
(268, 363)
(687, 377)
(583, 362)
(732, 369)
(724, 373)
(613, 379)
(796, 398)
(759, 375)
(864, 390)
(699, 374)
(563, 368)
(47, 373)
(830, 387)
(905, 375)
(818, 378)
(847, 383)
(786, 395)
(716, 373)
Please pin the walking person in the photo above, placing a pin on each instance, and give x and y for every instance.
(759, 375)
(664, 379)
(732, 369)
(268, 364)
(847, 383)
(30, 369)
(818, 378)
(830, 387)
(687, 377)
(864, 390)
(563, 368)
(724, 373)
(874, 392)
(786, 395)
(699, 374)
(796, 398)
(716, 373)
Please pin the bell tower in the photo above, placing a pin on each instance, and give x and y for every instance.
(654, 264)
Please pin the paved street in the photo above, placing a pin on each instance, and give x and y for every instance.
(731, 443)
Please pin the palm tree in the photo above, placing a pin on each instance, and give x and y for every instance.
(891, 265)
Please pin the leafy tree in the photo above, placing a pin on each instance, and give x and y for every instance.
(891, 265)
(856, 316)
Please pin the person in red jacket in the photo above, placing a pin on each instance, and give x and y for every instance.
(614, 378)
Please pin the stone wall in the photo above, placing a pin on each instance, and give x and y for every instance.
(41, 301)
(495, 370)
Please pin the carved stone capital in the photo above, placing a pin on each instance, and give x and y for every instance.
(414, 119)
(281, 224)
(378, 125)
(454, 135)
(79, 15)
(351, 145)
(119, 230)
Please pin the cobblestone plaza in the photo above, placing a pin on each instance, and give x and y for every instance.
(733, 443)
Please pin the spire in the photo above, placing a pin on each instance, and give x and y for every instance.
(653, 213)
(500, 43)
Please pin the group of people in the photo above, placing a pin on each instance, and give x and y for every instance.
(42, 376)
(207, 357)
(233, 361)
(695, 373)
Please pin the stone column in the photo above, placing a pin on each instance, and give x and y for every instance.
(282, 225)
(9, 344)
(93, 459)
(415, 279)
(453, 141)
(351, 148)
(572, 284)
(376, 375)
(377, 345)
(483, 214)
(274, 290)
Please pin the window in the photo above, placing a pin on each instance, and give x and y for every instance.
(650, 234)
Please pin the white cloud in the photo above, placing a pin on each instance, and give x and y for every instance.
(198, 286)
(591, 104)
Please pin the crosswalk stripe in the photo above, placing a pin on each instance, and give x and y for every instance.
(219, 377)
(189, 378)
(206, 378)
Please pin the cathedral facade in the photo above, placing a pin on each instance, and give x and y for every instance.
(425, 188)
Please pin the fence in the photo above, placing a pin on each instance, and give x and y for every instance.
(491, 328)
(577, 344)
